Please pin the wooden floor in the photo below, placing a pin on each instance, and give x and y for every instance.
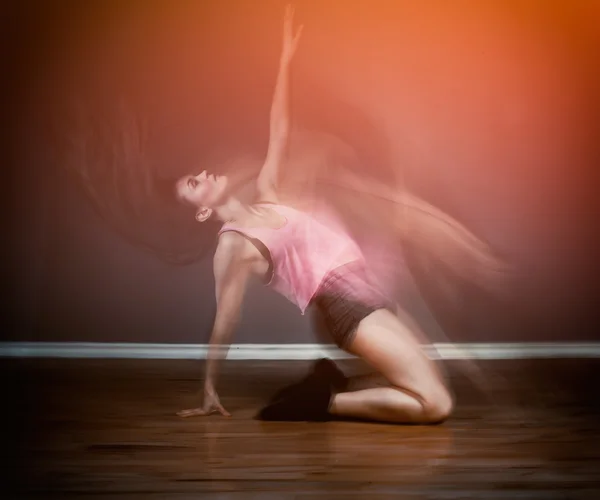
(107, 429)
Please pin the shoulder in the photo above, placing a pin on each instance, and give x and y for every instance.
(231, 247)
(229, 258)
(230, 243)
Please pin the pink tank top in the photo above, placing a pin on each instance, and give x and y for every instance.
(302, 252)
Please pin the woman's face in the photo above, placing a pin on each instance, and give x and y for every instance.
(202, 190)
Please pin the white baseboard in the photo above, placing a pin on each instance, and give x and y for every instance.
(524, 350)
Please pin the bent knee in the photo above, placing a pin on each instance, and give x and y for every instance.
(437, 406)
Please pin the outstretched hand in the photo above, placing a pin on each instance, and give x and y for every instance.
(210, 405)
(290, 40)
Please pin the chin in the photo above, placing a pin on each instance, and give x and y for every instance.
(222, 180)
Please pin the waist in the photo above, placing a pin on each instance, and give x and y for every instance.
(354, 268)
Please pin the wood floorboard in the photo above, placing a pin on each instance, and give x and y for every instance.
(107, 429)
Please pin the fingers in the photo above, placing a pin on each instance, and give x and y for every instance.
(192, 412)
(223, 411)
(288, 20)
(289, 13)
(288, 28)
(201, 412)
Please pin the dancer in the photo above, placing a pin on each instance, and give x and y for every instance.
(311, 262)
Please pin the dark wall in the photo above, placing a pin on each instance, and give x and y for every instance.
(488, 107)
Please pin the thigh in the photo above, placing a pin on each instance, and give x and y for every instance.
(392, 346)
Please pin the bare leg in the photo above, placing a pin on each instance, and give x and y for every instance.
(416, 392)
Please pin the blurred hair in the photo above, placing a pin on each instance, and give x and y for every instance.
(110, 155)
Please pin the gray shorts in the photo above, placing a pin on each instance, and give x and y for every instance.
(347, 296)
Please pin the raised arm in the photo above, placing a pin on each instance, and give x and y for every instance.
(231, 277)
(267, 181)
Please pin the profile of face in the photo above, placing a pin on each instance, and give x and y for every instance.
(203, 191)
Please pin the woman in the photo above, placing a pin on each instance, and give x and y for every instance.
(311, 261)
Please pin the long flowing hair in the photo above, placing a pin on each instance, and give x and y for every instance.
(110, 155)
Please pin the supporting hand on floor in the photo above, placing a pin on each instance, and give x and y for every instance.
(210, 405)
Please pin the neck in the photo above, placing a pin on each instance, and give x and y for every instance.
(231, 210)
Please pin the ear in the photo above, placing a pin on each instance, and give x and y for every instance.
(203, 213)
